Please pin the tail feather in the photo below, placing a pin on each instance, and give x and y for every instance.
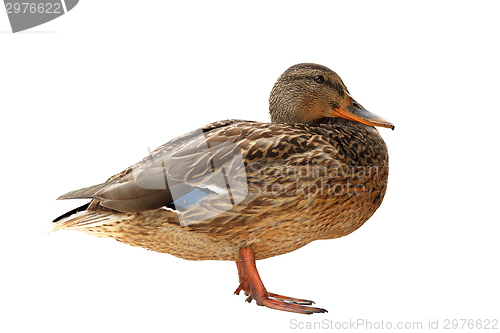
(84, 220)
(85, 193)
(71, 212)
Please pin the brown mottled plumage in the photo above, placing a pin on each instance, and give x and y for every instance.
(250, 190)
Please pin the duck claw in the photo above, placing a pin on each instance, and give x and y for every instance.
(285, 303)
(290, 307)
(291, 299)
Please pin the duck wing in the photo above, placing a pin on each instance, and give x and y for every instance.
(199, 163)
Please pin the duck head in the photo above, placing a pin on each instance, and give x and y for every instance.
(314, 94)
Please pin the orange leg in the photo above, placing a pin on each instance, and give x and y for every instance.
(253, 287)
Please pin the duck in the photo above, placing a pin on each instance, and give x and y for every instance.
(243, 191)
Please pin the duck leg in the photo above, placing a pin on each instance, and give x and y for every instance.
(253, 287)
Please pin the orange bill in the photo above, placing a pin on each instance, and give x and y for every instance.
(352, 110)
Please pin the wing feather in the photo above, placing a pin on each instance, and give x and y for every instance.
(192, 161)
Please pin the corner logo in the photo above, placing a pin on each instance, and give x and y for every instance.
(26, 14)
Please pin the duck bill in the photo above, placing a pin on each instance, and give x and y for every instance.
(352, 110)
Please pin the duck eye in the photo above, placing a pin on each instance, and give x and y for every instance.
(319, 78)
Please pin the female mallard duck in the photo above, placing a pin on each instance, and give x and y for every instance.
(243, 191)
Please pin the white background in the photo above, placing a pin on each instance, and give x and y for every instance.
(84, 96)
